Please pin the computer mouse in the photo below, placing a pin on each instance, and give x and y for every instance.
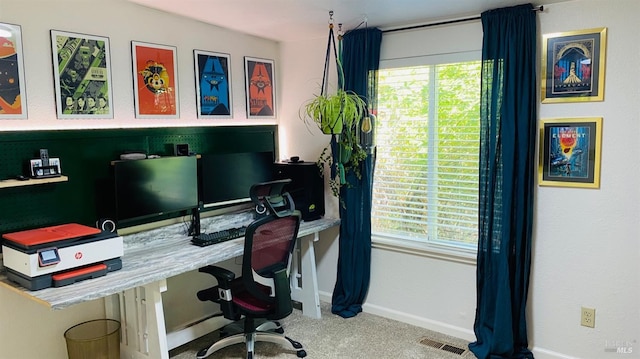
(22, 178)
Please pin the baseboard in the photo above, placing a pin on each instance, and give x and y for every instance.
(444, 328)
(541, 353)
(192, 331)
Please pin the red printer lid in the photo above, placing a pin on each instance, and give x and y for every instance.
(37, 236)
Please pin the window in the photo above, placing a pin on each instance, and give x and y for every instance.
(425, 187)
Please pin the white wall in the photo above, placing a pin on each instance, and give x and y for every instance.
(121, 22)
(29, 329)
(304, 64)
(586, 250)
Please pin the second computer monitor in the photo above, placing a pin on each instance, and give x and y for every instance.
(227, 178)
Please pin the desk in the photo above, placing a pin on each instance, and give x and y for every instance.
(133, 293)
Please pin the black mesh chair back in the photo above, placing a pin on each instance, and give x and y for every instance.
(269, 243)
(271, 198)
(263, 291)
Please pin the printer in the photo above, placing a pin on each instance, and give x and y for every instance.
(60, 255)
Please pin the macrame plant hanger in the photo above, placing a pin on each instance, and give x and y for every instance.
(337, 167)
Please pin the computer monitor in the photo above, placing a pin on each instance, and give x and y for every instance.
(227, 178)
(157, 187)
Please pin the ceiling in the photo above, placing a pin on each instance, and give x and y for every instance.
(297, 20)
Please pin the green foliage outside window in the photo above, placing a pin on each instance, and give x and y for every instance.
(428, 136)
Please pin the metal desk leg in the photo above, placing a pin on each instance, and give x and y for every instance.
(305, 271)
(139, 310)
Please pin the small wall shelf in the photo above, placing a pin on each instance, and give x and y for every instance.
(31, 182)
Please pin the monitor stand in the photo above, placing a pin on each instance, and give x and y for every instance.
(194, 229)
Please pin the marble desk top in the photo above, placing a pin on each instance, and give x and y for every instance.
(155, 255)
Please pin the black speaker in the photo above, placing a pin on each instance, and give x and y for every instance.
(106, 225)
(306, 187)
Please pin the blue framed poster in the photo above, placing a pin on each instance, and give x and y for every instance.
(213, 84)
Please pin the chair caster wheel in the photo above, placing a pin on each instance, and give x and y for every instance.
(301, 353)
(202, 353)
(295, 345)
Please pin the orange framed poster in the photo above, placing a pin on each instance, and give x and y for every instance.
(13, 104)
(155, 80)
(260, 87)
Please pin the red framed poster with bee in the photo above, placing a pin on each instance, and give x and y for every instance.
(260, 87)
(155, 80)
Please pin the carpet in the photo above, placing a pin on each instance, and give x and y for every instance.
(365, 336)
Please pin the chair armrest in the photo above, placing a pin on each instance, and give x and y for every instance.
(224, 276)
(282, 300)
(221, 293)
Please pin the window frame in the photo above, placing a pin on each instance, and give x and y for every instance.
(449, 251)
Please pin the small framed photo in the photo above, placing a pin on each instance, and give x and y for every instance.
(13, 98)
(82, 75)
(260, 87)
(40, 170)
(155, 80)
(573, 66)
(213, 84)
(570, 152)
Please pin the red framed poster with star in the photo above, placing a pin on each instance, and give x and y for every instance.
(260, 87)
(155, 80)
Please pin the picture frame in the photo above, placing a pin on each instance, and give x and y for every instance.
(13, 97)
(155, 80)
(260, 87)
(213, 84)
(573, 66)
(50, 169)
(570, 152)
(82, 75)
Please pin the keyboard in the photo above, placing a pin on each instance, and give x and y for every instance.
(207, 239)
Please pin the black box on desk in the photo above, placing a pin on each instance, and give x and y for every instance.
(306, 187)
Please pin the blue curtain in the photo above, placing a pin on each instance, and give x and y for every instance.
(507, 178)
(360, 61)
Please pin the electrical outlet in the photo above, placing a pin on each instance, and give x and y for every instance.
(588, 317)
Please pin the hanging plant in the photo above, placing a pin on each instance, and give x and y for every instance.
(332, 113)
(342, 155)
(338, 115)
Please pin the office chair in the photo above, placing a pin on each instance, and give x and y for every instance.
(262, 295)
(270, 197)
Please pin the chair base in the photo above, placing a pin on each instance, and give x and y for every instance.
(262, 325)
(250, 339)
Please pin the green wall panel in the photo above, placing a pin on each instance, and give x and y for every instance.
(86, 156)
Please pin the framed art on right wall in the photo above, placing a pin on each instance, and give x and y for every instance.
(573, 66)
(570, 152)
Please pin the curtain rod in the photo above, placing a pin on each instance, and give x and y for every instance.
(448, 22)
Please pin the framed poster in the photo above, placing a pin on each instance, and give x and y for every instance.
(13, 99)
(570, 152)
(155, 80)
(213, 84)
(260, 87)
(82, 75)
(573, 66)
